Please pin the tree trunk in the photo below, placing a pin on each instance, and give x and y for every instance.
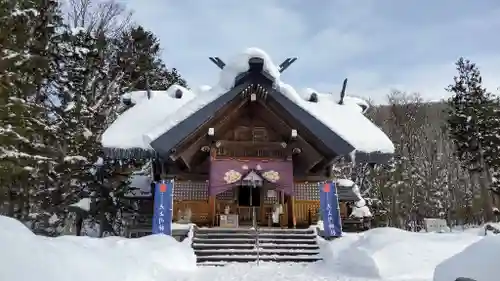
(486, 197)
(79, 224)
(484, 183)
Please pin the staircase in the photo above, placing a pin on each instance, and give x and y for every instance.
(219, 246)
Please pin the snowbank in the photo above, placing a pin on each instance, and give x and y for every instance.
(479, 261)
(25, 256)
(389, 253)
(491, 228)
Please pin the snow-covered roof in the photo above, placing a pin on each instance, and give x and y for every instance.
(151, 119)
(234, 67)
(129, 128)
(346, 120)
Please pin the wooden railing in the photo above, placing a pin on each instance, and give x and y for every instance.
(199, 210)
(245, 214)
(305, 210)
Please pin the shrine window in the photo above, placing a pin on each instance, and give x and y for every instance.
(259, 134)
(243, 133)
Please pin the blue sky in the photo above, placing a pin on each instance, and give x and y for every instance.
(379, 45)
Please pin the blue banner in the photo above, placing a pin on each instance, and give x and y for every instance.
(163, 203)
(330, 209)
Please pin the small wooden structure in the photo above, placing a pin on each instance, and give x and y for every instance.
(250, 148)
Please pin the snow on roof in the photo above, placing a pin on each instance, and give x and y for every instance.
(128, 129)
(182, 113)
(140, 182)
(346, 122)
(149, 119)
(137, 97)
(239, 64)
(358, 104)
(140, 186)
(235, 66)
(360, 208)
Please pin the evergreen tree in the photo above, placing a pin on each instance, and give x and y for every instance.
(25, 152)
(474, 125)
(88, 97)
(138, 55)
(59, 90)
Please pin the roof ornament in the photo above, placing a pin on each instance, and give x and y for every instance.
(178, 94)
(285, 64)
(342, 92)
(313, 97)
(217, 61)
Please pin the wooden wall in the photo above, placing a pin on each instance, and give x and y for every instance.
(194, 195)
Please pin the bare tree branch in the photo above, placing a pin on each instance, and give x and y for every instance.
(109, 17)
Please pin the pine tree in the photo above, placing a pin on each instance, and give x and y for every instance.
(87, 98)
(474, 124)
(25, 129)
(138, 56)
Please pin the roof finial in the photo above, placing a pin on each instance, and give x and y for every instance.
(217, 61)
(342, 92)
(286, 63)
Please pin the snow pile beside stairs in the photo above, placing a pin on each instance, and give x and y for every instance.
(25, 256)
(390, 253)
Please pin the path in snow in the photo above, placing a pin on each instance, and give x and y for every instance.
(272, 272)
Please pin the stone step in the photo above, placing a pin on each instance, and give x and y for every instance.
(197, 246)
(252, 241)
(219, 246)
(287, 231)
(197, 240)
(212, 263)
(253, 258)
(221, 230)
(262, 252)
(224, 230)
(254, 235)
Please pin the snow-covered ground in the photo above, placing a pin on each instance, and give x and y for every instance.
(379, 254)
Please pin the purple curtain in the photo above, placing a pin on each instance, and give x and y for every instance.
(228, 173)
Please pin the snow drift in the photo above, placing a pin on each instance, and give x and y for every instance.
(479, 261)
(25, 256)
(390, 253)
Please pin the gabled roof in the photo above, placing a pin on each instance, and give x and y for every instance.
(127, 131)
(341, 129)
(335, 143)
(166, 141)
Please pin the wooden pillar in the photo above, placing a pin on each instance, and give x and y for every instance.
(211, 198)
(211, 212)
(262, 207)
(290, 209)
